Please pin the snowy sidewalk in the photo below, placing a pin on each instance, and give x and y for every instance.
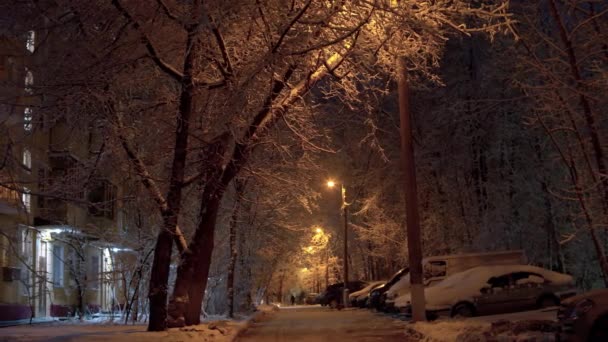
(314, 323)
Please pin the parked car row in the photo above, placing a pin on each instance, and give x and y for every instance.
(486, 284)
(332, 296)
(360, 298)
(487, 290)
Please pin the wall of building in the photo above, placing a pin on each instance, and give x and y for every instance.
(49, 146)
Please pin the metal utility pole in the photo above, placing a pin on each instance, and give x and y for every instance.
(345, 208)
(411, 198)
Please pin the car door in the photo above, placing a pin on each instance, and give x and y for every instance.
(495, 297)
(527, 289)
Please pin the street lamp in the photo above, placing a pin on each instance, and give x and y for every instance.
(331, 184)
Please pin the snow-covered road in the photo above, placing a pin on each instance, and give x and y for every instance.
(314, 323)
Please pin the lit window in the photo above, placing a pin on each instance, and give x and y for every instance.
(27, 158)
(58, 266)
(29, 81)
(26, 198)
(30, 44)
(27, 119)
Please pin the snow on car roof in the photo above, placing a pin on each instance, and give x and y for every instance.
(481, 274)
(517, 252)
(366, 289)
(403, 283)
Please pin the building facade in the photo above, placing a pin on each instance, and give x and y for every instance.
(55, 210)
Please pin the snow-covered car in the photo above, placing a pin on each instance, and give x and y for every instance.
(585, 317)
(360, 298)
(437, 268)
(400, 288)
(494, 289)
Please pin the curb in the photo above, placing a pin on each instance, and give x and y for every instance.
(255, 317)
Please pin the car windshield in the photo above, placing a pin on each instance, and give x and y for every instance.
(398, 275)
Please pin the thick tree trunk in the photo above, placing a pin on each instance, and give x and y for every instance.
(193, 270)
(231, 265)
(159, 277)
(233, 247)
(198, 284)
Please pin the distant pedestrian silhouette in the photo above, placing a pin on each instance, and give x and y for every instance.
(293, 300)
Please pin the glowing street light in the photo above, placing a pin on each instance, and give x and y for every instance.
(332, 184)
(319, 230)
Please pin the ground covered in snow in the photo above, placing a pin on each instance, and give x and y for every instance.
(220, 330)
(530, 326)
(306, 323)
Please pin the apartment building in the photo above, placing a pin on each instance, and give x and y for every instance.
(54, 257)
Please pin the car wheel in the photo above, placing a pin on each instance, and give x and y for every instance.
(333, 304)
(599, 332)
(463, 310)
(547, 301)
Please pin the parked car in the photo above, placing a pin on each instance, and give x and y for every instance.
(437, 268)
(377, 295)
(311, 298)
(333, 294)
(360, 298)
(584, 318)
(494, 289)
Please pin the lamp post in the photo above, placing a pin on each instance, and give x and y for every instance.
(331, 184)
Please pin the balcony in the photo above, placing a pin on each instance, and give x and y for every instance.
(10, 202)
(51, 211)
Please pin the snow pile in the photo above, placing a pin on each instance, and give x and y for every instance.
(449, 331)
(477, 331)
(267, 308)
(219, 331)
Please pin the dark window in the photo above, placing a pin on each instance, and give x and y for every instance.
(101, 199)
(502, 281)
